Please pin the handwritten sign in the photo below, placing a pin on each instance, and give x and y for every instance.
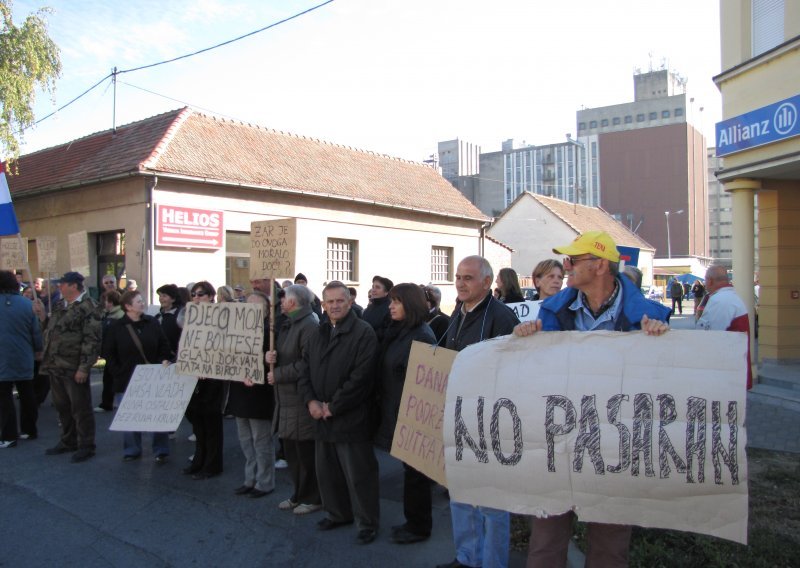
(223, 341)
(155, 400)
(46, 253)
(619, 427)
(418, 434)
(12, 257)
(79, 252)
(272, 248)
(527, 310)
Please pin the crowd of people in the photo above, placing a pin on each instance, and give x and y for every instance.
(333, 389)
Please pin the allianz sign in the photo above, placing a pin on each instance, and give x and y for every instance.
(771, 123)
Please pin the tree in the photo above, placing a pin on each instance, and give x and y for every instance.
(29, 59)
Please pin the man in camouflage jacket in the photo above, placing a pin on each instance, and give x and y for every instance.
(72, 337)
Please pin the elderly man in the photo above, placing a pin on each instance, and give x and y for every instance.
(294, 424)
(109, 283)
(337, 386)
(724, 310)
(72, 337)
(596, 298)
(480, 533)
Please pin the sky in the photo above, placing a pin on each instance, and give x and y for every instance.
(389, 76)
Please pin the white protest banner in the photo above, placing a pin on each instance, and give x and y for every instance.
(418, 434)
(155, 400)
(527, 310)
(12, 257)
(272, 248)
(622, 428)
(79, 252)
(46, 253)
(223, 341)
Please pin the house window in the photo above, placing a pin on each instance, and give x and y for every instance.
(342, 255)
(441, 264)
(604, 122)
(628, 119)
(664, 114)
(640, 117)
(768, 25)
(653, 115)
(678, 112)
(593, 124)
(616, 120)
(581, 126)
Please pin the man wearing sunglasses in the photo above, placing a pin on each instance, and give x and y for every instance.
(596, 298)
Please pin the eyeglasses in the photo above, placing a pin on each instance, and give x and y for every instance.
(196, 294)
(572, 260)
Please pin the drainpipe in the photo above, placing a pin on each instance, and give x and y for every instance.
(151, 184)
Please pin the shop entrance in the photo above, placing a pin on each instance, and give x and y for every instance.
(110, 256)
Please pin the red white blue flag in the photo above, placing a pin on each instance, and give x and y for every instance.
(8, 219)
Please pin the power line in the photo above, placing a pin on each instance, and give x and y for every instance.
(115, 72)
(227, 42)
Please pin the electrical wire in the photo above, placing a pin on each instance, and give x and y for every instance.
(84, 93)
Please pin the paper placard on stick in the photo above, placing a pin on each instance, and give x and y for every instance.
(622, 428)
(155, 400)
(12, 257)
(418, 434)
(46, 253)
(79, 252)
(273, 245)
(223, 341)
(527, 310)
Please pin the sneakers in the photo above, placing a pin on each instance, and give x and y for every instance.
(281, 464)
(287, 505)
(192, 438)
(306, 508)
(82, 455)
(25, 436)
(7, 443)
(101, 409)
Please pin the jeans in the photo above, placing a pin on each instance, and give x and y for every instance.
(132, 441)
(481, 535)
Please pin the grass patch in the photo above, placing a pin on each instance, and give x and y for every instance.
(773, 527)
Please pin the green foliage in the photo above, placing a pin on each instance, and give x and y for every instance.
(29, 59)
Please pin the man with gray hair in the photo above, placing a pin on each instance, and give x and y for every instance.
(724, 310)
(337, 381)
(481, 534)
(292, 421)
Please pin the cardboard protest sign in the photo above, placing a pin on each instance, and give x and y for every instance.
(12, 257)
(527, 310)
(46, 253)
(418, 434)
(620, 427)
(273, 245)
(79, 252)
(155, 400)
(223, 341)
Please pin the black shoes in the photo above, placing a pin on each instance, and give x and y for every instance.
(401, 535)
(365, 536)
(327, 524)
(203, 475)
(82, 455)
(454, 564)
(161, 459)
(256, 493)
(243, 490)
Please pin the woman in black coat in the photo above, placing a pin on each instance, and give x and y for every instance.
(508, 284)
(123, 353)
(408, 311)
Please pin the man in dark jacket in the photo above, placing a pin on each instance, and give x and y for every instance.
(337, 386)
(481, 533)
(596, 298)
(676, 293)
(377, 312)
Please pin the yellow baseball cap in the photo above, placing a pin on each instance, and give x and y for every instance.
(596, 243)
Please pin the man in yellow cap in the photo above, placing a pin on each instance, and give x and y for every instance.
(596, 298)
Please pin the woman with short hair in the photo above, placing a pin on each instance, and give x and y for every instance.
(548, 278)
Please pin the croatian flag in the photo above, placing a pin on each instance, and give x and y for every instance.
(8, 220)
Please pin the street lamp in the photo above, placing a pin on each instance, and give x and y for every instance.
(669, 245)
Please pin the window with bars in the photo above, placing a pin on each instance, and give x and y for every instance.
(341, 260)
(441, 264)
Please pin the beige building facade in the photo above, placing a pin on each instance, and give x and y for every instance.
(761, 68)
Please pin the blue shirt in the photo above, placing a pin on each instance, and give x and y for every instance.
(585, 320)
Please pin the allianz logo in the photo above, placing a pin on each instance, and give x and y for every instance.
(784, 121)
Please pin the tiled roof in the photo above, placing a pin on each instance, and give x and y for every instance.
(185, 142)
(583, 219)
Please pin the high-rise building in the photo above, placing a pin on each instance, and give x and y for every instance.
(652, 164)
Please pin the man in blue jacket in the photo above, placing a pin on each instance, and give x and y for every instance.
(596, 298)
